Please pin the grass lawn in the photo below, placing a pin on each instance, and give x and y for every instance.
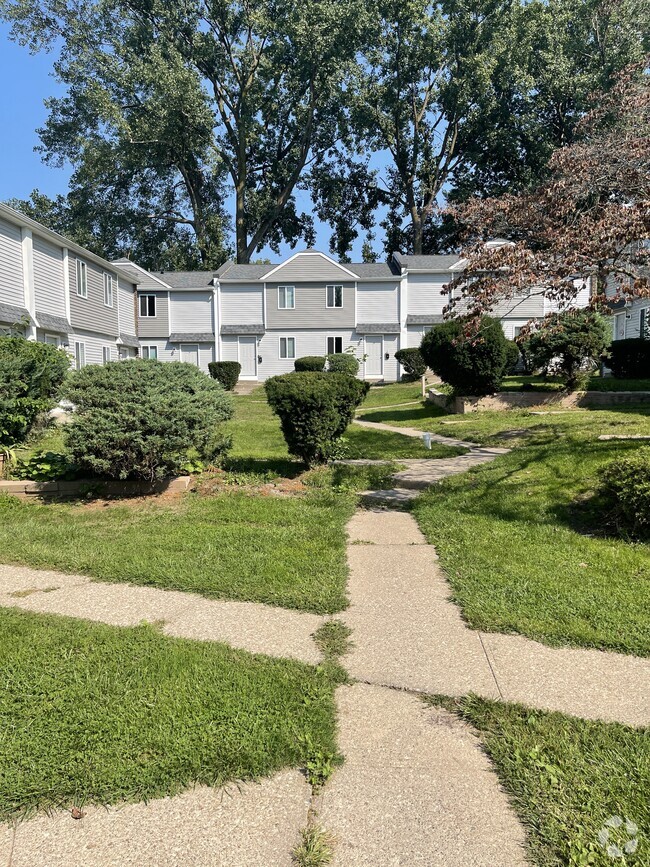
(287, 551)
(393, 393)
(377, 445)
(93, 713)
(520, 541)
(595, 383)
(566, 777)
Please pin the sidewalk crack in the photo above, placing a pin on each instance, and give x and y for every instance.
(489, 662)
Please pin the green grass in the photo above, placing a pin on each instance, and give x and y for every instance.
(522, 542)
(385, 445)
(552, 383)
(92, 713)
(394, 393)
(566, 777)
(287, 551)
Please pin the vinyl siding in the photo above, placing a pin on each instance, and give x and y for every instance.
(11, 265)
(414, 335)
(158, 325)
(390, 366)
(94, 345)
(377, 302)
(310, 310)
(308, 342)
(633, 324)
(229, 348)
(191, 311)
(90, 314)
(310, 266)
(424, 293)
(49, 290)
(126, 300)
(521, 306)
(171, 351)
(242, 304)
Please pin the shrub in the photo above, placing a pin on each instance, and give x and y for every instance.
(630, 359)
(45, 467)
(569, 344)
(343, 362)
(625, 488)
(144, 419)
(512, 357)
(225, 372)
(472, 364)
(313, 363)
(314, 410)
(31, 374)
(411, 360)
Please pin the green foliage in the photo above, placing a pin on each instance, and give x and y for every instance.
(225, 372)
(512, 357)
(414, 365)
(310, 363)
(315, 848)
(625, 488)
(314, 410)
(569, 345)
(43, 466)
(31, 374)
(472, 364)
(144, 419)
(343, 362)
(630, 359)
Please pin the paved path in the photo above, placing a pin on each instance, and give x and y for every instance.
(251, 626)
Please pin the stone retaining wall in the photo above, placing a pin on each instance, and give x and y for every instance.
(96, 487)
(527, 399)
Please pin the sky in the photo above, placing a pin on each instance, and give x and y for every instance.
(22, 112)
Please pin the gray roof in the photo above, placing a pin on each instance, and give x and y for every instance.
(130, 340)
(242, 329)
(374, 270)
(426, 263)
(191, 337)
(14, 315)
(232, 271)
(378, 328)
(54, 323)
(186, 279)
(424, 319)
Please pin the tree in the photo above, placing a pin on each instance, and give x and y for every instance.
(587, 221)
(569, 344)
(182, 95)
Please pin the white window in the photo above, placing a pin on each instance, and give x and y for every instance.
(106, 354)
(334, 296)
(79, 355)
(286, 297)
(108, 290)
(149, 352)
(147, 306)
(518, 330)
(287, 347)
(334, 345)
(52, 339)
(82, 279)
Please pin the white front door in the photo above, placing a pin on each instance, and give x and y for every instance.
(190, 353)
(374, 356)
(248, 356)
(619, 326)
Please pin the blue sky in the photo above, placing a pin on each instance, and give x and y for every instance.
(22, 112)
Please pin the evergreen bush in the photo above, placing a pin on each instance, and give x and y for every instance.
(630, 359)
(225, 372)
(313, 363)
(414, 365)
(343, 362)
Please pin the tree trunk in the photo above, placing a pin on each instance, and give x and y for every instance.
(416, 220)
(240, 224)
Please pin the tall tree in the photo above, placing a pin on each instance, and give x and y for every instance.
(196, 92)
(590, 219)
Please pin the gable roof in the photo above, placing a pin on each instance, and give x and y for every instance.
(306, 265)
(144, 278)
(186, 279)
(426, 263)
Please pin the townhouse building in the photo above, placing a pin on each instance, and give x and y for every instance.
(263, 316)
(57, 292)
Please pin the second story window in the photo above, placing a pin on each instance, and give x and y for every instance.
(147, 305)
(286, 297)
(82, 279)
(108, 290)
(335, 296)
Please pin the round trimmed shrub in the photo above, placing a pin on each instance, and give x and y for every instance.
(31, 375)
(625, 488)
(225, 372)
(630, 358)
(414, 365)
(310, 363)
(343, 362)
(314, 410)
(472, 363)
(141, 419)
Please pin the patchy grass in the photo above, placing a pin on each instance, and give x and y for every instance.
(287, 551)
(315, 848)
(392, 393)
(333, 639)
(522, 542)
(98, 714)
(385, 445)
(343, 478)
(567, 777)
(552, 383)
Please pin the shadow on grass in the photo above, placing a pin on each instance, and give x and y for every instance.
(404, 414)
(281, 467)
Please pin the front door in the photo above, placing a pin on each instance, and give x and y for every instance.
(190, 353)
(619, 329)
(374, 356)
(248, 356)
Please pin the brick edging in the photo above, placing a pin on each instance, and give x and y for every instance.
(176, 484)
